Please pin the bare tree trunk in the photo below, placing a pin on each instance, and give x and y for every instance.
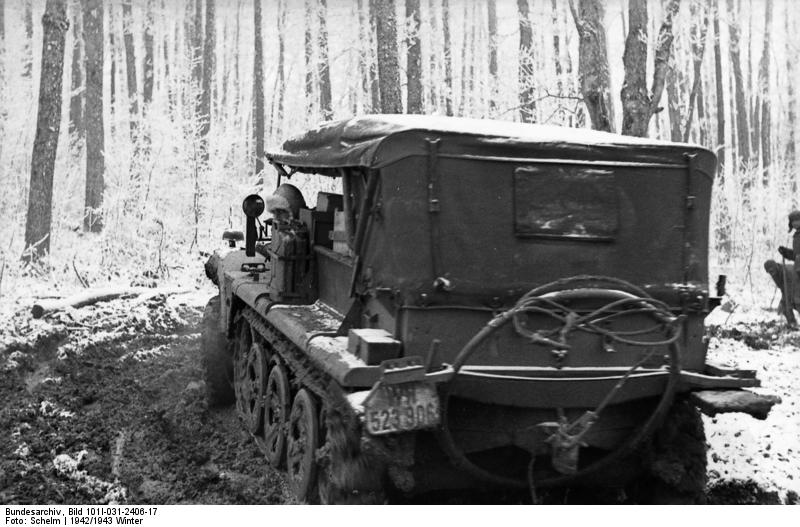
(258, 89)
(48, 123)
(526, 67)
(172, 101)
(309, 57)
(752, 91)
(764, 95)
(462, 102)
(147, 88)
(281, 95)
(388, 64)
(635, 99)
(375, 89)
(28, 59)
(197, 56)
(209, 75)
(492, 27)
(93, 115)
(77, 87)
(414, 58)
(2, 51)
(702, 118)
(323, 64)
(739, 108)
(556, 45)
(448, 58)
(363, 60)
(721, 137)
(593, 71)
(638, 106)
(112, 52)
(433, 56)
(699, 30)
(674, 84)
(130, 68)
(791, 116)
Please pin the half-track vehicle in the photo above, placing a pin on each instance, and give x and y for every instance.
(483, 305)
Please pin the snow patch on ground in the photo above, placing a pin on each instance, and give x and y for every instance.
(742, 447)
(67, 466)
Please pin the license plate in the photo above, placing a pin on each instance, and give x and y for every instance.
(391, 408)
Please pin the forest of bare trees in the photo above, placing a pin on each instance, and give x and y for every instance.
(145, 121)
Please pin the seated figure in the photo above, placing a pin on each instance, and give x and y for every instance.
(784, 278)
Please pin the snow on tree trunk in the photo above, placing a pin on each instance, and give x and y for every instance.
(93, 115)
(526, 66)
(196, 39)
(433, 58)
(76, 97)
(492, 28)
(791, 115)
(638, 106)
(209, 75)
(593, 72)
(448, 59)
(718, 84)
(147, 74)
(28, 58)
(764, 95)
(48, 123)
(388, 64)
(258, 88)
(699, 29)
(323, 63)
(635, 99)
(309, 58)
(130, 68)
(414, 58)
(739, 107)
(375, 89)
(363, 57)
(281, 95)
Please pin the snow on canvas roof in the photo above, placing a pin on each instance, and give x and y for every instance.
(356, 141)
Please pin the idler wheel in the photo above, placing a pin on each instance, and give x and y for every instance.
(302, 445)
(276, 413)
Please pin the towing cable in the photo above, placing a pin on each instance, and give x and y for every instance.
(566, 437)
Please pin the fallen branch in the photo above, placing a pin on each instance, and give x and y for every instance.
(91, 297)
(81, 279)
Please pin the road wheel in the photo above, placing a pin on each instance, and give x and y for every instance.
(254, 389)
(302, 445)
(216, 356)
(276, 413)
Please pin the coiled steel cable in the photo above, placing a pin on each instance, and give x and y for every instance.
(528, 303)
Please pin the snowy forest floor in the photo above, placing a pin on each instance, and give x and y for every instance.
(106, 404)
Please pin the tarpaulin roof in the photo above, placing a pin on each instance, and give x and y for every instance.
(374, 141)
